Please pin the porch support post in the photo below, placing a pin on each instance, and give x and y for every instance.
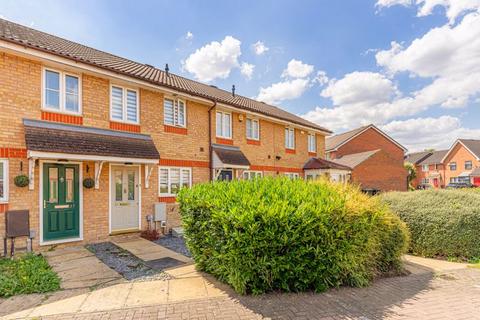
(148, 174)
(98, 170)
(31, 173)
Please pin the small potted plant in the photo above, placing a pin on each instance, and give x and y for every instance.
(21, 180)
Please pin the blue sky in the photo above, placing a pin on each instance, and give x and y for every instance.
(412, 67)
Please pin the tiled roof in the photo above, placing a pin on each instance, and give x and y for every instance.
(333, 142)
(45, 42)
(435, 158)
(417, 157)
(230, 155)
(317, 163)
(472, 145)
(353, 160)
(70, 139)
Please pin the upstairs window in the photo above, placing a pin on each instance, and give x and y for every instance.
(174, 113)
(468, 165)
(3, 180)
(224, 125)
(289, 138)
(253, 129)
(312, 143)
(61, 92)
(172, 179)
(453, 166)
(124, 105)
(425, 167)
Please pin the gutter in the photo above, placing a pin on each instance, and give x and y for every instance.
(210, 148)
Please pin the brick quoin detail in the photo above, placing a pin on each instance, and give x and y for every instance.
(167, 199)
(253, 142)
(124, 127)
(13, 153)
(290, 151)
(225, 141)
(59, 117)
(274, 168)
(3, 207)
(184, 163)
(177, 130)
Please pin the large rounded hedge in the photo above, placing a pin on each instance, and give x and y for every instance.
(271, 234)
(443, 223)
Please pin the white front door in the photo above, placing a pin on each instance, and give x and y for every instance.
(124, 198)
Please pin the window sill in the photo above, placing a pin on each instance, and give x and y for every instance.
(312, 154)
(227, 141)
(3, 207)
(167, 198)
(59, 111)
(121, 126)
(62, 117)
(290, 151)
(173, 129)
(253, 142)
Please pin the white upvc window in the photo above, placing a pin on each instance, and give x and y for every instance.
(124, 104)
(61, 92)
(292, 175)
(289, 138)
(3, 180)
(250, 175)
(425, 168)
(174, 112)
(171, 179)
(224, 124)
(253, 129)
(312, 143)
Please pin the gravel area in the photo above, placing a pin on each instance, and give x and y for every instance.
(176, 244)
(125, 263)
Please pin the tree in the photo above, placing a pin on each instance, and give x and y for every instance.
(412, 173)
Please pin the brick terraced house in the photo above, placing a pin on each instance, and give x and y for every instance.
(376, 159)
(103, 139)
(430, 169)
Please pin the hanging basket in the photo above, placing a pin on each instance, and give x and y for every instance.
(21, 180)
(88, 183)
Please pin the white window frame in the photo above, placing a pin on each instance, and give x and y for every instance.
(4, 198)
(250, 172)
(223, 113)
(169, 193)
(62, 92)
(425, 167)
(425, 181)
(124, 104)
(252, 120)
(312, 143)
(292, 175)
(175, 113)
(453, 163)
(289, 145)
(471, 164)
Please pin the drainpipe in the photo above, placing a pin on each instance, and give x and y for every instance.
(210, 149)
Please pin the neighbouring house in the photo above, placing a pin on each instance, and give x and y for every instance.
(317, 168)
(430, 169)
(462, 162)
(103, 139)
(376, 159)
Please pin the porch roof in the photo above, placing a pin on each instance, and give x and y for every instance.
(317, 163)
(229, 157)
(44, 137)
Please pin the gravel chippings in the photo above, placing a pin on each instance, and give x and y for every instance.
(176, 244)
(125, 263)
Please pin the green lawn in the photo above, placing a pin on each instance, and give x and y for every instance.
(28, 273)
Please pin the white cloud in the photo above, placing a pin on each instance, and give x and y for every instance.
(453, 8)
(214, 60)
(247, 69)
(297, 69)
(321, 78)
(437, 133)
(259, 48)
(189, 36)
(285, 90)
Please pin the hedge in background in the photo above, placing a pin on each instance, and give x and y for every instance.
(442, 222)
(271, 234)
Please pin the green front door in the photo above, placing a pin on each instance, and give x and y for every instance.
(61, 219)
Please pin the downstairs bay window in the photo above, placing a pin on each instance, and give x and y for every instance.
(171, 179)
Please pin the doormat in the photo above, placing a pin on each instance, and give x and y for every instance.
(164, 263)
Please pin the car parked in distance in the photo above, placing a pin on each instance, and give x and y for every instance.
(460, 185)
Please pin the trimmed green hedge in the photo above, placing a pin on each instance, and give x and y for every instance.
(271, 234)
(443, 223)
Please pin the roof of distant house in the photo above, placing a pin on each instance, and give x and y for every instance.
(353, 160)
(27, 37)
(417, 157)
(435, 157)
(318, 163)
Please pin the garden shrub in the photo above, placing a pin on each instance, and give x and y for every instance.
(278, 234)
(26, 274)
(443, 223)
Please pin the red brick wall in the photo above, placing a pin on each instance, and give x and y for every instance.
(431, 169)
(381, 173)
(459, 154)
